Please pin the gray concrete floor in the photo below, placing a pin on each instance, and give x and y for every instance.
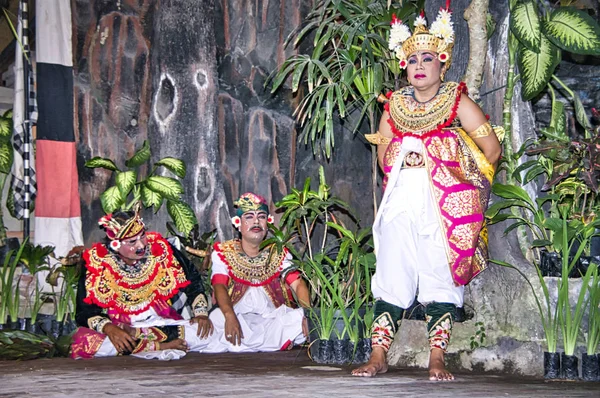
(287, 374)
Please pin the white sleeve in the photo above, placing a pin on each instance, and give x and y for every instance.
(218, 267)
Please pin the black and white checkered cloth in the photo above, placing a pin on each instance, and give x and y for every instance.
(23, 179)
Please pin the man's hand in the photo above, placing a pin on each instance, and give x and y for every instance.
(122, 340)
(233, 330)
(205, 326)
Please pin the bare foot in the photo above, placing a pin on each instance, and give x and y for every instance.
(437, 366)
(177, 344)
(377, 364)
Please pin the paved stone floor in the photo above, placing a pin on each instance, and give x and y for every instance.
(282, 374)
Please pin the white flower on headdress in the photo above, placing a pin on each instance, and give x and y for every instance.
(398, 34)
(270, 219)
(236, 221)
(420, 21)
(442, 27)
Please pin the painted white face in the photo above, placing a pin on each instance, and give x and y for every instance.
(133, 249)
(424, 69)
(254, 226)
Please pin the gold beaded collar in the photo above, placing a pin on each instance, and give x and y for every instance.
(412, 116)
(254, 271)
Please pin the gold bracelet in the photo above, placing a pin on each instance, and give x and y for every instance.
(378, 139)
(482, 131)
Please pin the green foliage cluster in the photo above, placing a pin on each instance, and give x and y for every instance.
(349, 65)
(131, 186)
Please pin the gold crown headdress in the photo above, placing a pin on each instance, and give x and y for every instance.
(439, 38)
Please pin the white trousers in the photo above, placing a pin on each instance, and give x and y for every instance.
(411, 253)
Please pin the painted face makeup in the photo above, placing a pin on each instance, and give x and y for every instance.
(424, 69)
(254, 225)
(133, 249)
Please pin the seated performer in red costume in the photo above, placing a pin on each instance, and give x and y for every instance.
(136, 295)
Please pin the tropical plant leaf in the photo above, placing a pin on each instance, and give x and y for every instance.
(573, 30)
(537, 68)
(175, 166)
(490, 25)
(525, 25)
(6, 157)
(6, 129)
(511, 192)
(140, 157)
(98, 162)
(580, 114)
(112, 199)
(183, 215)
(125, 180)
(533, 172)
(168, 187)
(558, 119)
(541, 243)
(151, 198)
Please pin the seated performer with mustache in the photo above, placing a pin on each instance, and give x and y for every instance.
(254, 289)
(134, 293)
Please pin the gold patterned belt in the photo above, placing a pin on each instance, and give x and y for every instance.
(413, 160)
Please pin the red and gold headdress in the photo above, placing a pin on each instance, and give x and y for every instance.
(439, 38)
(117, 231)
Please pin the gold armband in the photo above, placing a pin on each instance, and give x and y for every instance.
(482, 131)
(377, 139)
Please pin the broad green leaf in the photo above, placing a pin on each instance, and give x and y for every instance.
(140, 157)
(6, 157)
(10, 203)
(125, 181)
(112, 199)
(573, 30)
(151, 198)
(168, 187)
(183, 215)
(533, 172)
(514, 226)
(511, 192)
(496, 207)
(537, 68)
(541, 242)
(176, 166)
(525, 25)
(580, 114)
(558, 120)
(104, 163)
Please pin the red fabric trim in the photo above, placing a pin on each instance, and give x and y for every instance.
(286, 346)
(292, 277)
(219, 279)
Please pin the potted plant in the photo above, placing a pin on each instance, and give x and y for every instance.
(9, 290)
(590, 360)
(152, 190)
(34, 259)
(336, 263)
